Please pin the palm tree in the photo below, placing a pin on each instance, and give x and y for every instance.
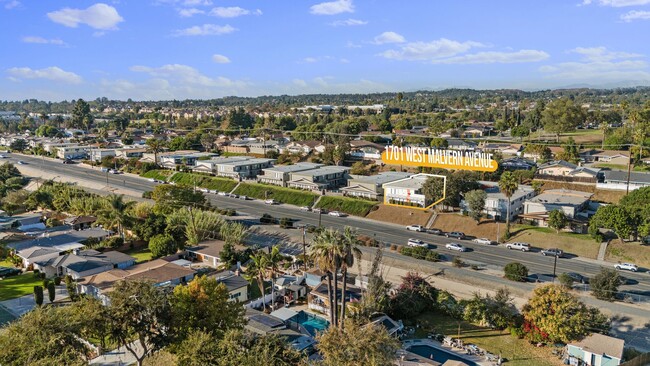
(155, 146)
(508, 185)
(322, 252)
(256, 271)
(115, 213)
(273, 259)
(348, 250)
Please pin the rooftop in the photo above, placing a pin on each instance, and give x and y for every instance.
(230, 279)
(211, 248)
(59, 239)
(158, 271)
(294, 168)
(324, 170)
(413, 182)
(380, 178)
(562, 197)
(619, 175)
(602, 344)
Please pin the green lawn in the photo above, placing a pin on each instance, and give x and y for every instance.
(6, 263)
(158, 174)
(17, 286)
(140, 254)
(519, 352)
(280, 194)
(352, 206)
(611, 166)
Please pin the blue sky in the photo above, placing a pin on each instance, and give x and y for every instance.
(178, 49)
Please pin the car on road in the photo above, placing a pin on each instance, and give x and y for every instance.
(577, 277)
(337, 214)
(455, 235)
(456, 247)
(627, 266)
(320, 210)
(68, 161)
(271, 202)
(555, 252)
(104, 170)
(418, 228)
(305, 208)
(245, 198)
(20, 162)
(222, 193)
(416, 243)
(435, 231)
(2, 157)
(483, 241)
(115, 171)
(524, 247)
(234, 195)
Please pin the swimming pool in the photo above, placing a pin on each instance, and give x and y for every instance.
(437, 355)
(312, 323)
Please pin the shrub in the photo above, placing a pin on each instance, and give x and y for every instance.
(604, 285)
(38, 295)
(267, 219)
(113, 242)
(57, 281)
(433, 256)
(51, 291)
(147, 194)
(286, 223)
(161, 245)
(515, 271)
(475, 267)
(457, 262)
(565, 280)
(517, 332)
(393, 247)
(46, 282)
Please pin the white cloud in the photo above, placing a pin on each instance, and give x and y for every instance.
(494, 57)
(41, 40)
(98, 16)
(187, 13)
(635, 15)
(309, 60)
(12, 4)
(205, 30)
(228, 12)
(602, 54)
(332, 7)
(351, 44)
(389, 37)
(344, 61)
(600, 64)
(430, 51)
(348, 22)
(220, 59)
(618, 3)
(185, 75)
(50, 73)
(299, 82)
(197, 2)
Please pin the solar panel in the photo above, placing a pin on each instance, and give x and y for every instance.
(267, 320)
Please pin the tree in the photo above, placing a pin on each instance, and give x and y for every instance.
(233, 233)
(348, 250)
(256, 271)
(613, 217)
(554, 315)
(376, 298)
(18, 145)
(273, 259)
(476, 203)
(323, 253)
(155, 146)
(204, 304)
(139, 312)
(516, 271)
(71, 286)
(565, 280)
(604, 285)
(357, 344)
(38, 295)
(561, 116)
(413, 296)
(359, 168)
(557, 220)
(81, 117)
(51, 291)
(116, 213)
(508, 185)
(162, 245)
(198, 225)
(571, 152)
(169, 197)
(637, 203)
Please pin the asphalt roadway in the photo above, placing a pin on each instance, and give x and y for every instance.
(491, 256)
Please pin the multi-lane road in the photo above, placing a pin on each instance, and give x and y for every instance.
(492, 256)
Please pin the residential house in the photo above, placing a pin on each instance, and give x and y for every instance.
(457, 144)
(208, 252)
(73, 152)
(618, 180)
(504, 149)
(597, 350)
(574, 204)
(406, 191)
(322, 178)
(282, 322)
(477, 130)
(318, 300)
(244, 169)
(392, 327)
(517, 164)
(159, 272)
(371, 187)
(558, 169)
(365, 150)
(27, 222)
(210, 166)
(496, 203)
(614, 157)
(98, 154)
(279, 175)
(80, 222)
(83, 263)
(237, 286)
(61, 240)
(37, 253)
(303, 147)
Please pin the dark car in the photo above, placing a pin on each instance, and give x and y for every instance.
(456, 235)
(553, 252)
(8, 271)
(68, 161)
(435, 231)
(578, 278)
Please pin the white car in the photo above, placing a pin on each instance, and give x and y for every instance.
(305, 208)
(270, 202)
(524, 247)
(337, 214)
(456, 246)
(627, 266)
(20, 162)
(484, 241)
(2, 157)
(417, 243)
(222, 193)
(418, 228)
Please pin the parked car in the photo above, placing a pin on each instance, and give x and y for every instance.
(577, 277)
(553, 252)
(271, 202)
(104, 170)
(483, 241)
(418, 228)
(456, 235)
(627, 266)
(9, 271)
(20, 162)
(245, 198)
(2, 157)
(234, 195)
(320, 210)
(456, 246)
(222, 193)
(435, 231)
(524, 247)
(305, 208)
(337, 214)
(68, 161)
(115, 171)
(417, 243)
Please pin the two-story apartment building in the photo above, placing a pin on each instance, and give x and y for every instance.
(129, 153)
(406, 191)
(188, 158)
(73, 151)
(371, 187)
(210, 166)
(244, 169)
(496, 203)
(98, 154)
(326, 177)
(279, 175)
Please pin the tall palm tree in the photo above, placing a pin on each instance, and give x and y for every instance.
(256, 271)
(273, 259)
(115, 213)
(348, 251)
(155, 146)
(508, 185)
(322, 252)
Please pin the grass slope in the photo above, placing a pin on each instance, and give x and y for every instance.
(280, 194)
(204, 181)
(352, 206)
(17, 286)
(158, 174)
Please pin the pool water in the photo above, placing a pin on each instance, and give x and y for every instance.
(437, 354)
(312, 323)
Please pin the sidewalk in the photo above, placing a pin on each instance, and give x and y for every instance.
(117, 357)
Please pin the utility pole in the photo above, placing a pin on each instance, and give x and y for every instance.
(629, 168)
(554, 266)
(304, 248)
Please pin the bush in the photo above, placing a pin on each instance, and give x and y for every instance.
(517, 332)
(286, 223)
(161, 245)
(393, 247)
(604, 285)
(432, 256)
(516, 271)
(352, 206)
(267, 219)
(51, 291)
(38, 295)
(157, 174)
(57, 281)
(114, 242)
(368, 241)
(457, 262)
(147, 194)
(565, 280)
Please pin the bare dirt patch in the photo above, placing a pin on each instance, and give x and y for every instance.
(455, 222)
(577, 244)
(399, 215)
(634, 252)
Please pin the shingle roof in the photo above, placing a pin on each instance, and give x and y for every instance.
(602, 344)
(619, 175)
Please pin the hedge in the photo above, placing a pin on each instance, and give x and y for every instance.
(279, 194)
(204, 181)
(352, 206)
(158, 174)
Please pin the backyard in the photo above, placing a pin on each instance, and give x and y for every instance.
(518, 352)
(141, 254)
(16, 286)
